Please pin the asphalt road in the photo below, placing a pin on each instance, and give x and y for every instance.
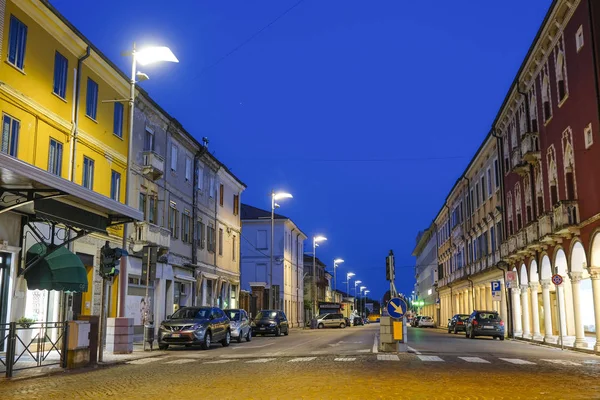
(334, 364)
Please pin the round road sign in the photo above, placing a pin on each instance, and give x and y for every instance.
(557, 279)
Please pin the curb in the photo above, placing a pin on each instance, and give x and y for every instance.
(556, 346)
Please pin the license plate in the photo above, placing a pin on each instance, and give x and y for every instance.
(488, 327)
(176, 335)
(262, 329)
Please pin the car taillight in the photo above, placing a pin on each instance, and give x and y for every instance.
(460, 323)
(501, 323)
(474, 322)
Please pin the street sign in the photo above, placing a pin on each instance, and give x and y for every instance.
(496, 291)
(557, 279)
(396, 307)
(511, 279)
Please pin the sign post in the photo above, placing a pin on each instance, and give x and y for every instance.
(558, 280)
(396, 308)
(496, 291)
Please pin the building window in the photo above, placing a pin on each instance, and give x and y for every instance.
(17, 40)
(210, 231)
(115, 185)
(173, 219)
(153, 209)
(142, 204)
(546, 104)
(236, 204)
(200, 177)
(55, 157)
(118, 120)
(221, 194)
(186, 227)
(233, 248)
(561, 72)
(588, 135)
(88, 173)
(212, 187)
(200, 234)
(489, 182)
(482, 189)
(188, 169)
(496, 174)
(61, 68)
(220, 241)
(91, 103)
(174, 151)
(476, 196)
(149, 140)
(471, 202)
(493, 238)
(261, 240)
(10, 135)
(579, 38)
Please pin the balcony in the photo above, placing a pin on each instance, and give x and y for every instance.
(530, 148)
(517, 165)
(512, 245)
(521, 241)
(154, 165)
(545, 225)
(504, 250)
(566, 216)
(146, 234)
(457, 232)
(532, 233)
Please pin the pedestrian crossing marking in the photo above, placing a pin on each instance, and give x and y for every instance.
(517, 361)
(143, 361)
(474, 360)
(563, 362)
(260, 360)
(181, 361)
(387, 357)
(303, 359)
(430, 358)
(345, 359)
(221, 361)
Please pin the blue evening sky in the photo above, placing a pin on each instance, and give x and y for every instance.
(367, 111)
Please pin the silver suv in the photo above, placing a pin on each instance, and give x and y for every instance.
(330, 321)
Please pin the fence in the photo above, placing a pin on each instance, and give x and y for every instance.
(35, 345)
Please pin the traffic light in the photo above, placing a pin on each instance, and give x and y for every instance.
(109, 260)
(389, 267)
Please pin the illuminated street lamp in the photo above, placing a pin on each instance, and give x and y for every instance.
(274, 197)
(348, 276)
(361, 292)
(366, 291)
(316, 240)
(335, 264)
(356, 283)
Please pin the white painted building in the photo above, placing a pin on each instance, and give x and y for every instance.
(287, 266)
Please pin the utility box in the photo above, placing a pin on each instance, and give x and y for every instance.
(78, 344)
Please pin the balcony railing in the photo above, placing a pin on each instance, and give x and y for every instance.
(154, 165)
(532, 234)
(530, 148)
(521, 242)
(512, 244)
(566, 214)
(146, 233)
(545, 225)
(517, 165)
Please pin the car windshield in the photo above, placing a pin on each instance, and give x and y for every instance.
(233, 315)
(191, 313)
(266, 315)
(489, 316)
(321, 316)
(463, 317)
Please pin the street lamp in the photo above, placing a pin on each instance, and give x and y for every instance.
(274, 197)
(348, 276)
(356, 283)
(335, 264)
(365, 301)
(316, 240)
(361, 291)
(145, 56)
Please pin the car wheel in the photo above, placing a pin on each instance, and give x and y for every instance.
(501, 337)
(225, 342)
(449, 330)
(249, 335)
(287, 331)
(320, 326)
(206, 342)
(278, 331)
(239, 338)
(342, 325)
(472, 336)
(455, 331)
(163, 346)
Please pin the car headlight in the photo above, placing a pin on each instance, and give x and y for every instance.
(164, 328)
(272, 324)
(234, 324)
(198, 327)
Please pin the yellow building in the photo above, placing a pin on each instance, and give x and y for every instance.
(58, 109)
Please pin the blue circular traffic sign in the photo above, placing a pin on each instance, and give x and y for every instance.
(396, 307)
(557, 279)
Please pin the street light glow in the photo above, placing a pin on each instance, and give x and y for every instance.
(282, 195)
(150, 55)
(338, 261)
(367, 291)
(349, 275)
(357, 282)
(318, 239)
(362, 288)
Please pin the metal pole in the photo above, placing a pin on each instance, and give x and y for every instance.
(123, 278)
(102, 317)
(271, 297)
(147, 310)
(334, 275)
(314, 277)
(559, 318)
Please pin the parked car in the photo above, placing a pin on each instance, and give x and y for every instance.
(358, 321)
(195, 325)
(485, 323)
(426, 322)
(458, 323)
(415, 321)
(270, 322)
(331, 320)
(240, 324)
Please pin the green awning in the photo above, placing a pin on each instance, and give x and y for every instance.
(61, 270)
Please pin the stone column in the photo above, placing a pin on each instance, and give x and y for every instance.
(488, 296)
(204, 292)
(535, 316)
(579, 332)
(525, 311)
(595, 275)
(516, 306)
(470, 301)
(456, 304)
(561, 309)
(503, 306)
(548, 336)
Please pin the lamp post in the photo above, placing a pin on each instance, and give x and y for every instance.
(356, 283)
(335, 264)
(316, 240)
(348, 276)
(274, 197)
(145, 56)
(361, 292)
(366, 291)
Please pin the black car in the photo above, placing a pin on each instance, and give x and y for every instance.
(485, 323)
(358, 321)
(270, 322)
(458, 323)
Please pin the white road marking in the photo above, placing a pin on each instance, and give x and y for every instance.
(563, 362)
(181, 361)
(387, 357)
(363, 351)
(221, 361)
(253, 347)
(375, 350)
(413, 350)
(303, 359)
(430, 358)
(143, 361)
(345, 359)
(474, 360)
(260, 360)
(517, 361)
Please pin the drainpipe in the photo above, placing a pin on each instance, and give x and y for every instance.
(72, 161)
(594, 55)
(215, 236)
(195, 217)
(499, 140)
(531, 181)
(472, 292)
